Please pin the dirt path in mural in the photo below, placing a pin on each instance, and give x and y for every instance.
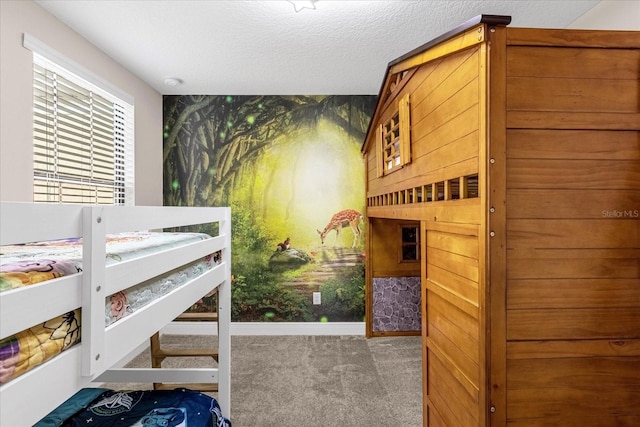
(328, 261)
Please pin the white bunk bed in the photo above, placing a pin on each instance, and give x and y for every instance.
(29, 397)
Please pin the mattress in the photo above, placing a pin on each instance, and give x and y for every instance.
(28, 264)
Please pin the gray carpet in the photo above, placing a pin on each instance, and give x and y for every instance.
(309, 381)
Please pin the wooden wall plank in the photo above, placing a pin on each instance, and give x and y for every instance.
(574, 253)
(572, 144)
(465, 230)
(572, 38)
(458, 264)
(457, 407)
(572, 120)
(465, 305)
(579, 373)
(459, 102)
(462, 245)
(580, 323)
(448, 76)
(573, 268)
(572, 204)
(461, 357)
(458, 127)
(575, 95)
(455, 211)
(439, 155)
(567, 293)
(572, 349)
(591, 420)
(457, 285)
(450, 320)
(567, 402)
(452, 340)
(559, 233)
(548, 62)
(576, 174)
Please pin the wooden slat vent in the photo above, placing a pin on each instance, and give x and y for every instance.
(464, 187)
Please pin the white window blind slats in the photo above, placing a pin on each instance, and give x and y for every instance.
(83, 150)
(44, 191)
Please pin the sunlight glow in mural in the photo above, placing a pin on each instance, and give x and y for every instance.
(316, 175)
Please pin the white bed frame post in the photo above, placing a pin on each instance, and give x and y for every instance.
(93, 289)
(224, 321)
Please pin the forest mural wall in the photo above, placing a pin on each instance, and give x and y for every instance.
(291, 169)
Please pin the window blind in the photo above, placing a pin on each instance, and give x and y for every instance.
(83, 140)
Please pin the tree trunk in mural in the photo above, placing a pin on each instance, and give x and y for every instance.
(208, 138)
(285, 164)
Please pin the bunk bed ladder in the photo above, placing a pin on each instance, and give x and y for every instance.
(158, 353)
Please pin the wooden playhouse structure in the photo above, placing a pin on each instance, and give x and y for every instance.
(503, 170)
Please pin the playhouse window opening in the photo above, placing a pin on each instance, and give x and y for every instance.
(454, 189)
(429, 192)
(418, 191)
(410, 243)
(393, 139)
(471, 184)
(391, 142)
(439, 190)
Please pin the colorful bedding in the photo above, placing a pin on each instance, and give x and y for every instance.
(24, 265)
(108, 408)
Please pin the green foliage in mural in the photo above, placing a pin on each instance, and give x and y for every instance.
(343, 295)
(259, 297)
(256, 293)
(250, 241)
(285, 164)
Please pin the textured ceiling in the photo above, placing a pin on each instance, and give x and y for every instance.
(266, 47)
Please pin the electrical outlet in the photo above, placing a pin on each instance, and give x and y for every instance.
(316, 298)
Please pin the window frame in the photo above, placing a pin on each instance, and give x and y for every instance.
(394, 139)
(405, 243)
(60, 82)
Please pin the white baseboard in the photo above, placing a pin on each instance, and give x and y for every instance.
(267, 328)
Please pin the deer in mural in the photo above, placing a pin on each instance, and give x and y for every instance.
(341, 219)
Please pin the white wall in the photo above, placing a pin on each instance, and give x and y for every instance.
(16, 63)
(610, 15)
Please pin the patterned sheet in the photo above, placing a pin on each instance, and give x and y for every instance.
(106, 408)
(24, 265)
